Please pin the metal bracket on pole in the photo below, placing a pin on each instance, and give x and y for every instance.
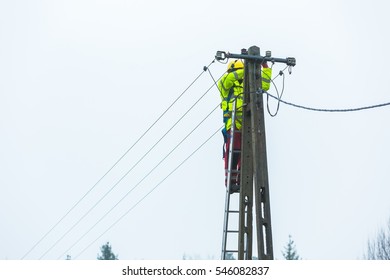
(289, 61)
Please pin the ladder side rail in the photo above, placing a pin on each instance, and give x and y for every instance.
(228, 184)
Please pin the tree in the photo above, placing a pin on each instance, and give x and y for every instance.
(230, 256)
(107, 253)
(290, 252)
(379, 248)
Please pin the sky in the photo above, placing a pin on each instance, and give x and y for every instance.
(82, 80)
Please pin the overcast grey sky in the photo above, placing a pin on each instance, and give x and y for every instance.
(82, 80)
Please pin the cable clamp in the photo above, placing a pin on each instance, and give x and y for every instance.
(221, 56)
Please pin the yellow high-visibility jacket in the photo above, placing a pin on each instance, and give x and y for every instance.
(231, 87)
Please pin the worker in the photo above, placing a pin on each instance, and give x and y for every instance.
(231, 89)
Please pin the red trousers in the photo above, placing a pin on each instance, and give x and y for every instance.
(236, 163)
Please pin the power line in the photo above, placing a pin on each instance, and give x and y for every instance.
(279, 96)
(328, 110)
(115, 164)
(125, 175)
(147, 175)
(121, 179)
(155, 187)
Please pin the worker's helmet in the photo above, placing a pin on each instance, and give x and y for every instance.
(235, 64)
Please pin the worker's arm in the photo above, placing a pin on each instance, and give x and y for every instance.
(266, 76)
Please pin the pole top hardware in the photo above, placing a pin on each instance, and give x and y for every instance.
(291, 61)
(222, 56)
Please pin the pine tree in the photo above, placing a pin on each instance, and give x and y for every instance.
(379, 248)
(230, 256)
(290, 250)
(107, 253)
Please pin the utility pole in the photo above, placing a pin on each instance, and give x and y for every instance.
(259, 157)
(254, 187)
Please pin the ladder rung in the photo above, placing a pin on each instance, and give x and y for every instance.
(232, 231)
(236, 211)
(231, 251)
(235, 171)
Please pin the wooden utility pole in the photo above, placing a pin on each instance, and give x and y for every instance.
(259, 156)
(246, 182)
(254, 187)
(254, 172)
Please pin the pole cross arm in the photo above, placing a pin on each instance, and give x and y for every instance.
(221, 55)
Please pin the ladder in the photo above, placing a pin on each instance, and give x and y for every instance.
(230, 234)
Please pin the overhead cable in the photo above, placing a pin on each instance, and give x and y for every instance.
(124, 176)
(127, 173)
(147, 175)
(328, 110)
(115, 164)
(154, 188)
(281, 73)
